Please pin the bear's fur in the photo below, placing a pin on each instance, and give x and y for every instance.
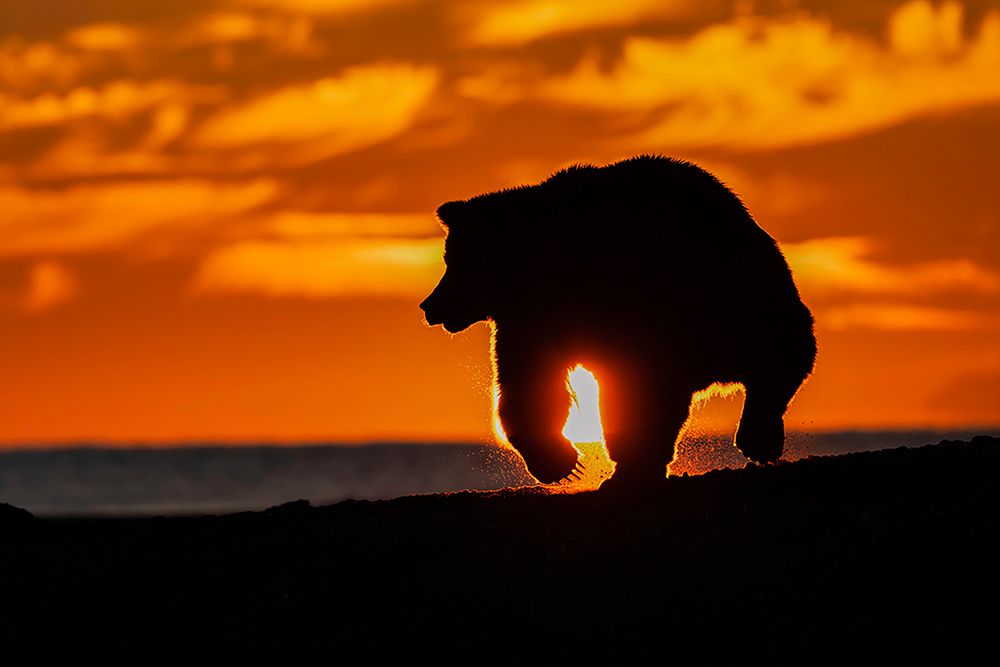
(652, 274)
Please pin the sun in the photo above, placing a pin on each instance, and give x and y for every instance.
(584, 430)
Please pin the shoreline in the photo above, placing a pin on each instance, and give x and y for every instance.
(888, 548)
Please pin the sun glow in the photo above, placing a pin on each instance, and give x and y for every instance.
(584, 430)
(498, 431)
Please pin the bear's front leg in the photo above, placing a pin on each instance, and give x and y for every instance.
(533, 407)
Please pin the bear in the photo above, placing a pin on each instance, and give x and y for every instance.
(650, 272)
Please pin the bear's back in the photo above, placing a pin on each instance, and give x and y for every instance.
(657, 194)
(652, 233)
(652, 219)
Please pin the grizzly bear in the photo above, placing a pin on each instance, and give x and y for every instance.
(651, 273)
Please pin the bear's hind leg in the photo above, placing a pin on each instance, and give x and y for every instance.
(643, 443)
(781, 364)
(760, 435)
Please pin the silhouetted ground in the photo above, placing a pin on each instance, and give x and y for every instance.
(867, 554)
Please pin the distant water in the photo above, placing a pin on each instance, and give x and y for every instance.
(95, 481)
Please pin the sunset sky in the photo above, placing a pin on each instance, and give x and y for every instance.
(217, 216)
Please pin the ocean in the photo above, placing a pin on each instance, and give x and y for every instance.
(90, 481)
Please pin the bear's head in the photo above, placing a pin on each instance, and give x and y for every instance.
(469, 287)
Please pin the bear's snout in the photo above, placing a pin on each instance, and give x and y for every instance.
(427, 305)
(436, 304)
(450, 305)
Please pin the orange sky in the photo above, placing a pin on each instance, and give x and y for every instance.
(218, 216)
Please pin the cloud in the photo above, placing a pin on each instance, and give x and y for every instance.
(370, 267)
(50, 284)
(839, 278)
(228, 27)
(844, 265)
(757, 83)
(113, 100)
(105, 37)
(324, 7)
(323, 254)
(363, 106)
(781, 192)
(308, 225)
(900, 317)
(104, 216)
(292, 33)
(30, 67)
(921, 30)
(497, 84)
(522, 21)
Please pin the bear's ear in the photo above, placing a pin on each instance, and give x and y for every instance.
(449, 212)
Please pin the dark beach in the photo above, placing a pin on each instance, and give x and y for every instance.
(889, 550)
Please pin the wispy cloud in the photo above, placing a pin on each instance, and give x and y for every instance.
(29, 68)
(367, 267)
(848, 288)
(362, 106)
(291, 33)
(115, 100)
(328, 254)
(845, 265)
(324, 7)
(521, 21)
(766, 82)
(108, 36)
(110, 216)
(303, 225)
(900, 317)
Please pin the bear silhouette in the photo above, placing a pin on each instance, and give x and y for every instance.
(651, 273)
